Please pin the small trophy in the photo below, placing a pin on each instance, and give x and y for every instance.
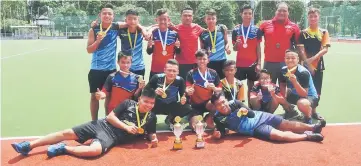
(177, 130)
(200, 127)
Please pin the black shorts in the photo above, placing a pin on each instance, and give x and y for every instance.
(247, 73)
(97, 130)
(266, 106)
(138, 72)
(172, 109)
(317, 81)
(184, 69)
(151, 74)
(263, 131)
(199, 109)
(96, 79)
(293, 98)
(218, 67)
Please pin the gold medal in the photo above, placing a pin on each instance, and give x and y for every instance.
(199, 118)
(214, 50)
(140, 78)
(289, 71)
(177, 119)
(239, 113)
(164, 95)
(101, 33)
(140, 130)
(213, 40)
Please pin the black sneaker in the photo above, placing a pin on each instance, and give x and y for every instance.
(317, 116)
(315, 137)
(317, 128)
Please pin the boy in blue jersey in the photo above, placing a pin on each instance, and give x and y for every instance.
(300, 88)
(132, 41)
(102, 44)
(239, 118)
(215, 40)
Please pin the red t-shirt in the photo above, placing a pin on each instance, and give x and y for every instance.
(278, 38)
(188, 37)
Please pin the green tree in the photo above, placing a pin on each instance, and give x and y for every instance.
(93, 7)
(70, 18)
(224, 13)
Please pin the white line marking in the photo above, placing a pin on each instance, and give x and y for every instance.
(168, 131)
(24, 53)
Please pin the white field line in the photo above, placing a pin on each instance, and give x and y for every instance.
(24, 53)
(168, 131)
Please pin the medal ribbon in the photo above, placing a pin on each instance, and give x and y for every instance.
(164, 87)
(205, 75)
(138, 119)
(245, 37)
(130, 39)
(213, 41)
(234, 88)
(164, 43)
(101, 28)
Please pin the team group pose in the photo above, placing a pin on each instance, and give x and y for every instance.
(188, 81)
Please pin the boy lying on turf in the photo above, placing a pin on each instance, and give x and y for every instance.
(129, 120)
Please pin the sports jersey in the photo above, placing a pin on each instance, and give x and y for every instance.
(188, 37)
(278, 38)
(178, 86)
(229, 92)
(126, 112)
(246, 57)
(266, 95)
(219, 43)
(158, 59)
(313, 41)
(244, 124)
(201, 93)
(303, 77)
(120, 88)
(137, 51)
(104, 57)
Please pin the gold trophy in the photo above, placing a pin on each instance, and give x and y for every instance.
(200, 127)
(177, 130)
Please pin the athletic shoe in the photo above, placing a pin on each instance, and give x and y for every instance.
(56, 149)
(307, 120)
(22, 147)
(317, 116)
(315, 137)
(317, 128)
(291, 113)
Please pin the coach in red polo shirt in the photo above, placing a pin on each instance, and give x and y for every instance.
(188, 36)
(280, 34)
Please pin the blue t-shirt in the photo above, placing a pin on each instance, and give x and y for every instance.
(219, 43)
(136, 52)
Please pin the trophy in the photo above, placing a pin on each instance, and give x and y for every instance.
(177, 130)
(200, 127)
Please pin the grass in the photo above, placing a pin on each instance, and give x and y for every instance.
(45, 86)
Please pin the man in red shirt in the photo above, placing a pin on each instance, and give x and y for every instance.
(188, 36)
(280, 34)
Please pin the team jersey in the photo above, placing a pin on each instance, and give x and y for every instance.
(246, 57)
(278, 38)
(266, 95)
(120, 88)
(243, 124)
(126, 112)
(104, 57)
(313, 41)
(201, 93)
(303, 77)
(137, 51)
(219, 43)
(228, 92)
(158, 59)
(188, 37)
(178, 86)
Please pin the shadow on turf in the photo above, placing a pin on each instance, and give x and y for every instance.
(20, 157)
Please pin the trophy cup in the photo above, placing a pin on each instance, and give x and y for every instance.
(200, 127)
(177, 130)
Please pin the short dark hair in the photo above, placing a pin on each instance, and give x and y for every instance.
(292, 51)
(131, 12)
(148, 92)
(313, 11)
(186, 8)
(173, 62)
(245, 7)
(265, 71)
(108, 5)
(122, 54)
(211, 12)
(201, 53)
(161, 12)
(216, 96)
(228, 63)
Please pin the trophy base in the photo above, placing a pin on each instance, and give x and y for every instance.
(177, 145)
(200, 143)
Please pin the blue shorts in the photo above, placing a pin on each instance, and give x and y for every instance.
(263, 131)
